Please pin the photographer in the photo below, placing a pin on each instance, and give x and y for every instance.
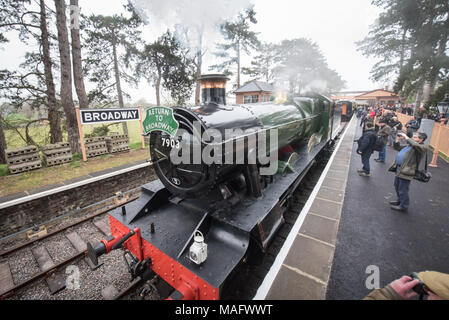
(433, 284)
(395, 126)
(366, 148)
(405, 166)
(412, 126)
(384, 132)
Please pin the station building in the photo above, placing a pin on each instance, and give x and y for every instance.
(378, 97)
(254, 92)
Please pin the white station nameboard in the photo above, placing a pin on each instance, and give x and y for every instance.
(91, 116)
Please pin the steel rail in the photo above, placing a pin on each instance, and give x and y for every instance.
(23, 245)
(41, 274)
(130, 287)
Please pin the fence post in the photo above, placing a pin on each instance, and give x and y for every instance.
(141, 127)
(433, 164)
(80, 129)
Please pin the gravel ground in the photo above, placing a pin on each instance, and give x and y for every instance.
(5, 244)
(91, 282)
(58, 246)
(22, 265)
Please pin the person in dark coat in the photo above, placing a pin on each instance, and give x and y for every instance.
(395, 126)
(384, 132)
(363, 118)
(366, 120)
(419, 119)
(406, 164)
(388, 115)
(412, 126)
(366, 148)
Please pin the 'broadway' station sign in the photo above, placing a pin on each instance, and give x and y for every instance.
(90, 116)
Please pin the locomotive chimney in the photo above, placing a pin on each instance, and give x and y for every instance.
(213, 88)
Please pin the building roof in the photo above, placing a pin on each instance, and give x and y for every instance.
(379, 93)
(350, 93)
(255, 86)
(346, 95)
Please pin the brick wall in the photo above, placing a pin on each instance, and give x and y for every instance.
(38, 211)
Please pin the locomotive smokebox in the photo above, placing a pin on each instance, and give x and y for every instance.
(213, 88)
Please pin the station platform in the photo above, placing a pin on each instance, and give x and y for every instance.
(347, 229)
(34, 193)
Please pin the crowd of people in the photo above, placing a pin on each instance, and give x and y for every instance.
(382, 128)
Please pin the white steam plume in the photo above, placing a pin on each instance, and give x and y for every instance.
(190, 18)
(317, 86)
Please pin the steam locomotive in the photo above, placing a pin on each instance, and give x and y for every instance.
(200, 221)
(347, 110)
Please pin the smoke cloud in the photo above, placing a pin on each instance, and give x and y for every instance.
(195, 23)
(316, 85)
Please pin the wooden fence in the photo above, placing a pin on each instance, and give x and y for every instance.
(444, 138)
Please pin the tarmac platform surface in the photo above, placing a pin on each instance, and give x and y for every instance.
(371, 234)
(347, 229)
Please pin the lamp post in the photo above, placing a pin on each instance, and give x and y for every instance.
(443, 108)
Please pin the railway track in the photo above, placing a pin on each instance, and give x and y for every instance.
(50, 262)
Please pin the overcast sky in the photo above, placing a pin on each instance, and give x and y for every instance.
(335, 25)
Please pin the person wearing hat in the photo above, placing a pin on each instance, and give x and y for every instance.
(405, 166)
(366, 148)
(384, 132)
(395, 126)
(412, 126)
(436, 287)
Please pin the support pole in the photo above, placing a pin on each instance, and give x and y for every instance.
(80, 129)
(436, 150)
(141, 127)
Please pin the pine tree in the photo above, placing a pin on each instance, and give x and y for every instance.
(302, 66)
(26, 85)
(164, 64)
(54, 117)
(192, 37)
(3, 145)
(410, 40)
(66, 77)
(106, 37)
(239, 38)
(263, 64)
(76, 55)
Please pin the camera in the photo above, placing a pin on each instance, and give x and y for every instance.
(420, 287)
